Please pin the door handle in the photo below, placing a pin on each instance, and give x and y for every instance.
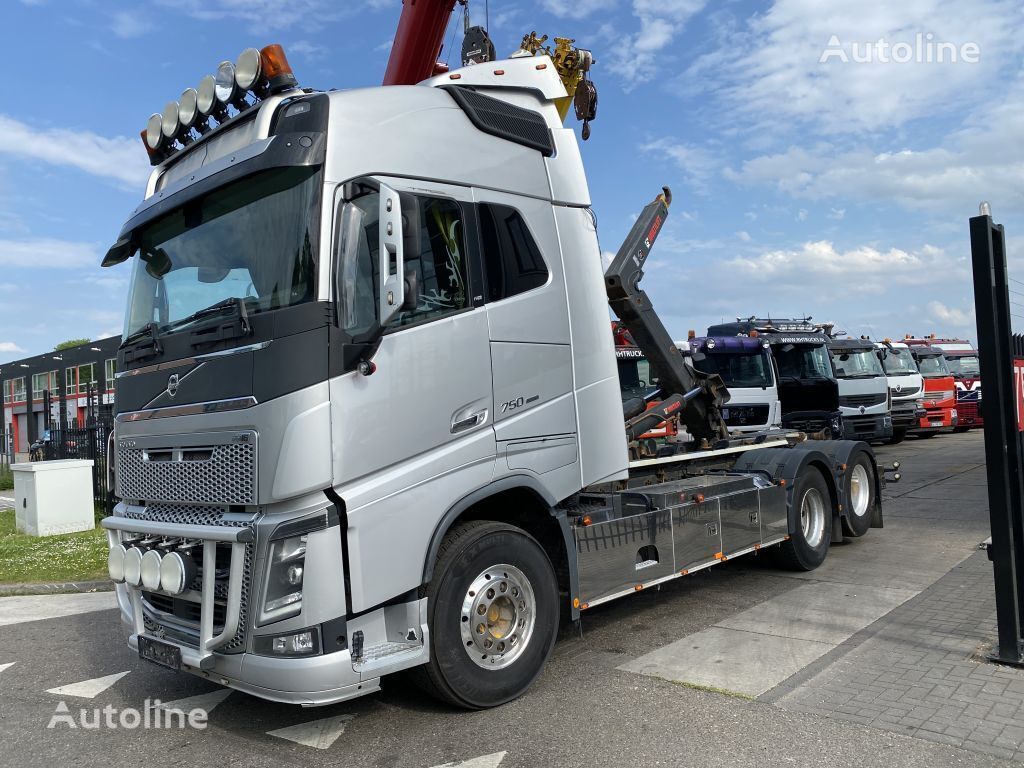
(464, 420)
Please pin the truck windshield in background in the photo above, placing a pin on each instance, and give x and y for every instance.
(253, 240)
(964, 366)
(898, 362)
(636, 379)
(860, 364)
(802, 361)
(737, 369)
(933, 367)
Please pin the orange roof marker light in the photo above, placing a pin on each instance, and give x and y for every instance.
(277, 69)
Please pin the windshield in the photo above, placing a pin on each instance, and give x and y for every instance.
(636, 379)
(933, 367)
(965, 366)
(254, 240)
(737, 370)
(802, 361)
(859, 364)
(898, 362)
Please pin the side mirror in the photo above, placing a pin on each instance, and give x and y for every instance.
(411, 300)
(120, 252)
(391, 255)
(158, 263)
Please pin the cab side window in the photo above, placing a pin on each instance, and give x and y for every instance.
(434, 248)
(512, 261)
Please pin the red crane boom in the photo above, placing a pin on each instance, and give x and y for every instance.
(418, 41)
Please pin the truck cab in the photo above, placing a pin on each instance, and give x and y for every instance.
(863, 390)
(940, 404)
(963, 362)
(807, 388)
(906, 387)
(746, 366)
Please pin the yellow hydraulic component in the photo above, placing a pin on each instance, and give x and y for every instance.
(571, 63)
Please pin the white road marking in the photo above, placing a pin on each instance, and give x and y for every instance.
(204, 701)
(486, 761)
(8, 664)
(319, 734)
(17, 610)
(88, 689)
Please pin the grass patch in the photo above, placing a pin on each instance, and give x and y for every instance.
(713, 689)
(6, 477)
(68, 557)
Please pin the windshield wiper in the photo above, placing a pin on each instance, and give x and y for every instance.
(211, 334)
(154, 348)
(215, 309)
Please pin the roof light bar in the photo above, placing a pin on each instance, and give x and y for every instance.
(257, 72)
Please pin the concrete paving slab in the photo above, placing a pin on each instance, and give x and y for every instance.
(824, 613)
(17, 610)
(748, 663)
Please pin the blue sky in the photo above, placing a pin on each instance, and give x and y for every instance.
(839, 189)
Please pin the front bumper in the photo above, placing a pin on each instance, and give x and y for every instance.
(904, 415)
(867, 427)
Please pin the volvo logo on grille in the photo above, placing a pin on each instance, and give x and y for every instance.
(172, 385)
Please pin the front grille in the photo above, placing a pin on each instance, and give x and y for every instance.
(904, 391)
(810, 426)
(742, 415)
(862, 425)
(218, 474)
(185, 611)
(857, 401)
(968, 412)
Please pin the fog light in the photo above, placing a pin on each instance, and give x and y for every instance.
(154, 131)
(303, 643)
(150, 570)
(177, 572)
(170, 122)
(115, 563)
(133, 566)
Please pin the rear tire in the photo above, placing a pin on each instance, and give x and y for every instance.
(492, 608)
(858, 495)
(961, 430)
(898, 435)
(808, 544)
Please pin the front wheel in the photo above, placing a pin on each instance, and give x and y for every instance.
(898, 435)
(492, 608)
(961, 430)
(811, 525)
(859, 496)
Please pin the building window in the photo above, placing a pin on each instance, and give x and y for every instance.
(69, 381)
(110, 372)
(18, 386)
(86, 377)
(7, 391)
(42, 382)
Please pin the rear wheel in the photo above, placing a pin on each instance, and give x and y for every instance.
(811, 525)
(898, 435)
(960, 430)
(492, 608)
(859, 495)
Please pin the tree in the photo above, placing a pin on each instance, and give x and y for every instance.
(70, 343)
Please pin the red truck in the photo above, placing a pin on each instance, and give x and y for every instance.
(962, 360)
(940, 393)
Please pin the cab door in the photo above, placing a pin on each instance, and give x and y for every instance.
(416, 434)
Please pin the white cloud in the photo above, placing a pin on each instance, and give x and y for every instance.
(951, 315)
(305, 48)
(744, 236)
(640, 56)
(767, 68)
(801, 215)
(837, 214)
(580, 9)
(118, 158)
(10, 346)
(699, 165)
(48, 253)
(263, 15)
(129, 24)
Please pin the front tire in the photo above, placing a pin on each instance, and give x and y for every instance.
(811, 531)
(898, 435)
(858, 495)
(492, 608)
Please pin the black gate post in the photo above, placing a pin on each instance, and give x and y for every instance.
(1002, 440)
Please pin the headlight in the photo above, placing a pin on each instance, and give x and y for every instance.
(149, 570)
(206, 95)
(154, 133)
(187, 108)
(177, 572)
(115, 563)
(169, 123)
(283, 595)
(224, 83)
(133, 566)
(247, 70)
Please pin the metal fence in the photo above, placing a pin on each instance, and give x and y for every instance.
(83, 441)
(1001, 353)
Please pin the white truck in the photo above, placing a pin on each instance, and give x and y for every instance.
(368, 414)
(864, 395)
(906, 387)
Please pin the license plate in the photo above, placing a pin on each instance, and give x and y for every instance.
(164, 654)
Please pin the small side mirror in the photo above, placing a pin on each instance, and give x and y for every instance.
(411, 300)
(392, 256)
(119, 252)
(158, 263)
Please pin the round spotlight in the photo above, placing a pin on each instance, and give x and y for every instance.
(133, 566)
(187, 108)
(115, 563)
(154, 132)
(225, 82)
(177, 572)
(206, 95)
(248, 69)
(150, 570)
(170, 123)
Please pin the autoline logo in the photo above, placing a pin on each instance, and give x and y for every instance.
(923, 50)
(153, 716)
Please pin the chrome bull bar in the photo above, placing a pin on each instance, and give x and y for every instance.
(201, 657)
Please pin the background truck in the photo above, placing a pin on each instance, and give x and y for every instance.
(906, 387)
(746, 366)
(385, 431)
(639, 383)
(863, 389)
(962, 359)
(807, 387)
(940, 404)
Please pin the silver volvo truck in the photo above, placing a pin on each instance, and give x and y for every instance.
(368, 414)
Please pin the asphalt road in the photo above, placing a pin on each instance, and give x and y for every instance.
(589, 708)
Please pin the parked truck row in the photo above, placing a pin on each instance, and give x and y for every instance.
(372, 417)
